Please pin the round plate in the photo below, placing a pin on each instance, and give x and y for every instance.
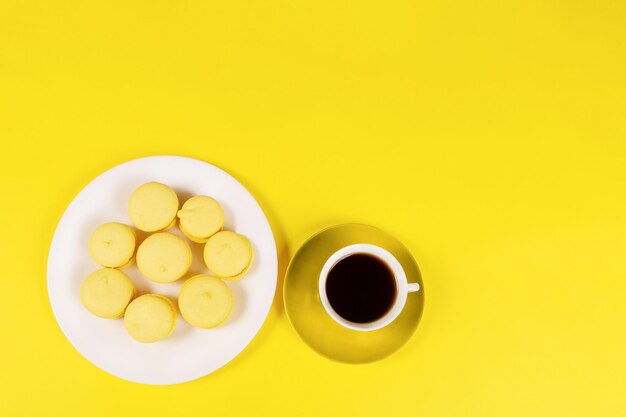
(310, 320)
(189, 353)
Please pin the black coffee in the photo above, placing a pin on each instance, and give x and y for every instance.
(361, 288)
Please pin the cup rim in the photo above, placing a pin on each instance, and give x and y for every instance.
(397, 272)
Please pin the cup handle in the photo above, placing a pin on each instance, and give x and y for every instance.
(413, 287)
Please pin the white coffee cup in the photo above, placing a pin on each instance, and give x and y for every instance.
(403, 287)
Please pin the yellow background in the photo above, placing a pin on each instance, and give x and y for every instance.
(489, 136)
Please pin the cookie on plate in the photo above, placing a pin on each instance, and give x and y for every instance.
(228, 255)
(200, 218)
(164, 257)
(106, 293)
(205, 301)
(112, 245)
(150, 318)
(152, 207)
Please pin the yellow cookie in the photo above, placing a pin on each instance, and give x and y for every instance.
(150, 318)
(152, 207)
(242, 273)
(200, 218)
(112, 245)
(205, 301)
(106, 293)
(164, 257)
(227, 254)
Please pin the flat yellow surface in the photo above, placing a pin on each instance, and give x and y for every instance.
(489, 136)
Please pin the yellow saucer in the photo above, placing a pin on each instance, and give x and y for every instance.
(310, 320)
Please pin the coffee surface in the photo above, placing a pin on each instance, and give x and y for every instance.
(361, 288)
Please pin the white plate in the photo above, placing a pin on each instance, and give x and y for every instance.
(189, 353)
